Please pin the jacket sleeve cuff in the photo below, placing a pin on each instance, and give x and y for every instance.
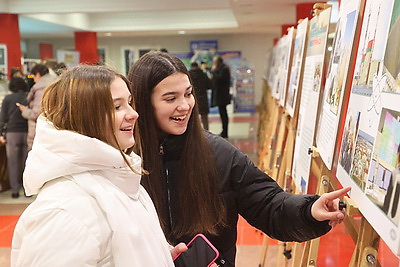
(307, 210)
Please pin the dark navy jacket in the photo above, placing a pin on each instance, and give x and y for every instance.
(248, 191)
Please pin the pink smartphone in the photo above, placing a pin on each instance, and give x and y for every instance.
(200, 253)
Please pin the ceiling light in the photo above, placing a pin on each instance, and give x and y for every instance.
(108, 34)
(181, 32)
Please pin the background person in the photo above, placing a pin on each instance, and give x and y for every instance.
(42, 79)
(59, 68)
(201, 183)
(221, 80)
(201, 84)
(91, 209)
(14, 131)
(16, 72)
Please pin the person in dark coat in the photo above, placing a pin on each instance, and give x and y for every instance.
(201, 183)
(14, 132)
(201, 84)
(221, 80)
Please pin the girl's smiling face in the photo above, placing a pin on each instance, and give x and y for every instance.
(173, 102)
(125, 115)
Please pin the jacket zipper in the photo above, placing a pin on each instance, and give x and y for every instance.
(168, 191)
(169, 197)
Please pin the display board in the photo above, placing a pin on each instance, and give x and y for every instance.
(336, 80)
(3, 62)
(282, 54)
(244, 89)
(267, 69)
(70, 58)
(286, 43)
(273, 70)
(309, 97)
(369, 153)
(296, 71)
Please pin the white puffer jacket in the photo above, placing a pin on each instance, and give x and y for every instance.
(90, 209)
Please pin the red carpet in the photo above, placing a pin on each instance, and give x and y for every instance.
(7, 224)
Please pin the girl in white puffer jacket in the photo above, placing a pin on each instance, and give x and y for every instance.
(90, 208)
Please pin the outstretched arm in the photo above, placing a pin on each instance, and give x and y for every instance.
(327, 207)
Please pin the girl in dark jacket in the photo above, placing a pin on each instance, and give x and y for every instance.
(14, 131)
(199, 182)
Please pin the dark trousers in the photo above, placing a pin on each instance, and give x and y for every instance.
(17, 151)
(224, 119)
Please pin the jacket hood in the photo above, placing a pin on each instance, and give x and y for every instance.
(56, 153)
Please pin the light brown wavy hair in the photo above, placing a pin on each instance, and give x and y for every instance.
(81, 101)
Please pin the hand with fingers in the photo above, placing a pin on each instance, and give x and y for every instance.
(181, 247)
(21, 107)
(327, 207)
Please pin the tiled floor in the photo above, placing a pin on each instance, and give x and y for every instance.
(335, 248)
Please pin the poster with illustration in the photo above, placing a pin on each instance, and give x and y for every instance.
(309, 97)
(281, 63)
(296, 71)
(286, 43)
(369, 152)
(336, 80)
(203, 51)
(272, 77)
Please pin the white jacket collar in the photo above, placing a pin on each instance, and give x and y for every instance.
(56, 153)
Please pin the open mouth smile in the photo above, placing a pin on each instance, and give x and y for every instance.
(178, 118)
(127, 129)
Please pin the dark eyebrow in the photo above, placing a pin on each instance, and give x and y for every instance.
(174, 92)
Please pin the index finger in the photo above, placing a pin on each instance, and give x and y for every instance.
(338, 193)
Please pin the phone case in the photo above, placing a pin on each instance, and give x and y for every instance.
(208, 243)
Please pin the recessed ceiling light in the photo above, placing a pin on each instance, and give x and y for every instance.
(181, 32)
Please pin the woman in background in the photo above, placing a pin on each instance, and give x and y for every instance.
(14, 131)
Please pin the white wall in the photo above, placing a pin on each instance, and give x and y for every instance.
(254, 48)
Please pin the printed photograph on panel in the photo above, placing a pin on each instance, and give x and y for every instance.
(361, 159)
(383, 186)
(339, 61)
(371, 46)
(392, 53)
(348, 141)
(296, 71)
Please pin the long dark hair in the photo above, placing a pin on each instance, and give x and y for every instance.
(198, 186)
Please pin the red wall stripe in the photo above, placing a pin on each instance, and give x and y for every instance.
(11, 38)
(86, 44)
